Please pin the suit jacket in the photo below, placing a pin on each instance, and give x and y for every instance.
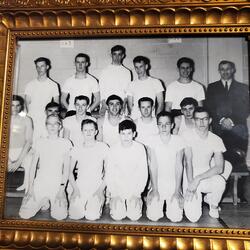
(233, 104)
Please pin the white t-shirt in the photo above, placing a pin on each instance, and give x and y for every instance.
(149, 87)
(203, 149)
(74, 128)
(166, 161)
(75, 87)
(126, 170)
(110, 132)
(114, 80)
(51, 155)
(183, 127)
(146, 130)
(90, 166)
(40, 93)
(177, 91)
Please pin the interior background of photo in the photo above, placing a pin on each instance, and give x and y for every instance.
(162, 52)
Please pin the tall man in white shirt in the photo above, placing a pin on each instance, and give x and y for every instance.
(38, 93)
(81, 83)
(144, 86)
(205, 166)
(114, 78)
(183, 87)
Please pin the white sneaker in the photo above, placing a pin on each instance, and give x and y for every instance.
(214, 212)
(45, 206)
(21, 188)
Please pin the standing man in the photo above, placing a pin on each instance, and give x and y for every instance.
(38, 93)
(146, 124)
(108, 123)
(183, 87)
(205, 164)
(81, 83)
(228, 103)
(114, 79)
(144, 86)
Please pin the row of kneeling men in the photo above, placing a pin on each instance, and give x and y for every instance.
(172, 169)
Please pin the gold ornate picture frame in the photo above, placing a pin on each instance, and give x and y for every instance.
(44, 19)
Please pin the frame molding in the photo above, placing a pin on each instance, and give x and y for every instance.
(36, 19)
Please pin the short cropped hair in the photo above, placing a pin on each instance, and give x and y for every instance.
(43, 59)
(145, 99)
(139, 59)
(52, 105)
(114, 97)
(127, 124)
(227, 62)
(82, 97)
(188, 101)
(201, 110)
(165, 114)
(185, 60)
(89, 121)
(56, 116)
(83, 55)
(20, 100)
(118, 47)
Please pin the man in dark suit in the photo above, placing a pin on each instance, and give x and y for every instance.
(228, 103)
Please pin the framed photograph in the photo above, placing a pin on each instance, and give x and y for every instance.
(47, 47)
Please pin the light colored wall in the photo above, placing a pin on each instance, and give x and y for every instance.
(232, 49)
(163, 56)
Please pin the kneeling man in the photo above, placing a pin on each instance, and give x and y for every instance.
(126, 174)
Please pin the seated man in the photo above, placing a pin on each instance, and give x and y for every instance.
(108, 123)
(146, 124)
(52, 108)
(168, 151)
(185, 121)
(21, 132)
(205, 167)
(72, 124)
(126, 174)
(47, 183)
(87, 198)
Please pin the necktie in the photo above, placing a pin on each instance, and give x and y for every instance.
(226, 86)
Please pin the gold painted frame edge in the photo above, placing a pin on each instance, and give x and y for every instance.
(172, 20)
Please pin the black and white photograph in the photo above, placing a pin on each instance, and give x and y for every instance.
(139, 131)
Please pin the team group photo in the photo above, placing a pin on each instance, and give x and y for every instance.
(148, 131)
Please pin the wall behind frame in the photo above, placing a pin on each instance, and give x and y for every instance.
(162, 52)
